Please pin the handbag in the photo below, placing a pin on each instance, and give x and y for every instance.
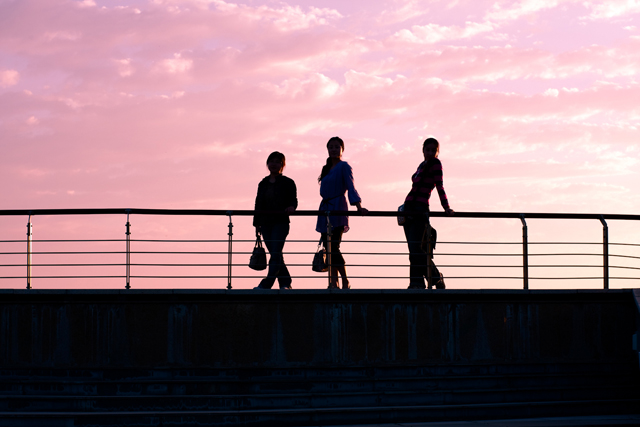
(433, 236)
(258, 260)
(319, 260)
(401, 219)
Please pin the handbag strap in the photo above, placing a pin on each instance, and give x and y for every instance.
(258, 241)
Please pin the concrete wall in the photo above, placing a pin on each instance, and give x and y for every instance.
(198, 328)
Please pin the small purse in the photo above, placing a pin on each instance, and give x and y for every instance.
(258, 260)
(319, 260)
(401, 219)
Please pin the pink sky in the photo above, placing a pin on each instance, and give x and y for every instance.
(176, 104)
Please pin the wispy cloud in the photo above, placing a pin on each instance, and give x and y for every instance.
(612, 9)
(9, 78)
(434, 33)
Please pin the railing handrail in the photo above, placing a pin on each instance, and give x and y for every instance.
(247, 212)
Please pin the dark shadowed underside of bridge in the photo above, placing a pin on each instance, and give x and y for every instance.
(303, 358)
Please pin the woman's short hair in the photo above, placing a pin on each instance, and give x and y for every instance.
(276, 155)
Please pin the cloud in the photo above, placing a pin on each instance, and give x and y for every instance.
(366, 82)
(52, 36)
(124, 67)
(612, 9)
(401, 11)
(517, 10)
(434, 33)
(86, 3)
(318, 86)
(9, 78)
(177, 64)
(466, 64)
(285, 18)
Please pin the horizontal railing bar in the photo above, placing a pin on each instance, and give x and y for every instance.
(368, 265)
(388, 277)
(64, 277)
(70, 253)
(316, 277)
(63, 240)
(290, 253)
(404, 242)
(309, 253)
(66, 265)
(176, 277)
(306, 265)
(624, 256)
(219, 212)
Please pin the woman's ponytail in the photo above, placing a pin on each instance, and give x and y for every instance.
(325, 169)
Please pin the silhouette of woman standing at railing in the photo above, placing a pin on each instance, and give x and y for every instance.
(335, 180)
(417, 229)
(276, 192)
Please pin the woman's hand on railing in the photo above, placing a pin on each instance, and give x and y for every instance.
(449, 212)
(361, 210)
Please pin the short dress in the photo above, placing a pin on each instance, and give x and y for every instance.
(332, 190)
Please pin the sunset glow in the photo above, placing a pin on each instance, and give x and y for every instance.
(177, 104)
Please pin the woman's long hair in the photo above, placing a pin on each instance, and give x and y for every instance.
(327, 166)
(432, 141)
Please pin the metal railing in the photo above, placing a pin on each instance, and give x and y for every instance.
(525, 255)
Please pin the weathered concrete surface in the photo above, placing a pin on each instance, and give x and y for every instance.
(199, 328)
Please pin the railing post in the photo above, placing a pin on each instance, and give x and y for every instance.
(229, 250)
(329, 232)
(29, 234)
(525, 253)
(605, 251)
(128, 252)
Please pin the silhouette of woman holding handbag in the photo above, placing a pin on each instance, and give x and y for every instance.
(335, 180)
(418, 228)
(278, 193)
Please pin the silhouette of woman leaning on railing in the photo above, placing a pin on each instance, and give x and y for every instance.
(417, 228)
(335, 180)
(276, 192)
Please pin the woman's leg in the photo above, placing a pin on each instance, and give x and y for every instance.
(280, 236)
(436, 279)
(333, 281)
(418, 259)
(274, 238)
(337, 261)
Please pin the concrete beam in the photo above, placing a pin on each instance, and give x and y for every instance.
(247, 328)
